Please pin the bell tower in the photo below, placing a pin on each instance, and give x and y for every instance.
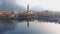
(27, 7)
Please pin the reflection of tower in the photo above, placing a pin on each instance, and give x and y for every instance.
(27, 23)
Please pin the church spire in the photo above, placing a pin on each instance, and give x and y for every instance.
(28, 7)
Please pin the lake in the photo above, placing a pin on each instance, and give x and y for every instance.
(28, 27)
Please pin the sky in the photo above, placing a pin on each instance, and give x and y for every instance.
(46, 4)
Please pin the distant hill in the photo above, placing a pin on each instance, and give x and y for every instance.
(6, 6)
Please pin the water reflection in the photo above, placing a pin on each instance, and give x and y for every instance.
(35, 27)
(19, 26)
(7, 25)
(27, 20)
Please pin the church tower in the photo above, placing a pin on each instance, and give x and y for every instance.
(27, 7)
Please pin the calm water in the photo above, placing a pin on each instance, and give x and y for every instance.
(28, 27)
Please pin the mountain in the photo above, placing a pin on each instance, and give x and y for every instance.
(7, 6)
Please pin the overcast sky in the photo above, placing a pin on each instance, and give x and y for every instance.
(47, 4)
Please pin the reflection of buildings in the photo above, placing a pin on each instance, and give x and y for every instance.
(7, 26)
(27, 23)
(20, 21)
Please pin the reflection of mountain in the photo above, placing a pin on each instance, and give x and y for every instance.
(7, 26)
(10, 5)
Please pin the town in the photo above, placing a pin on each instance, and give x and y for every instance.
(41, 15)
